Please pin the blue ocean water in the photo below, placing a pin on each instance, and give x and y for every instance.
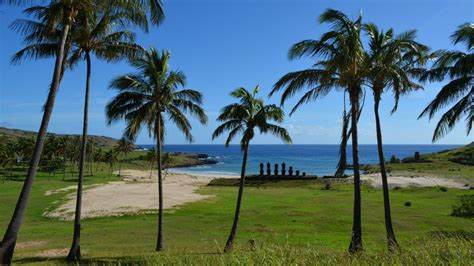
(312, 159)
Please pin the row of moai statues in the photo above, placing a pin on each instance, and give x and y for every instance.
(276, 171)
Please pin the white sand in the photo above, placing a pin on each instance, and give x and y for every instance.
(136, 194)
(418, 181)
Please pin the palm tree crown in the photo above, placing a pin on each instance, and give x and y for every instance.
(391, 60)
(247, 115)
(459, 68)
(145, 97)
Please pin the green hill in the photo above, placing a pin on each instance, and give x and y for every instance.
(455, 163)
(102, 141)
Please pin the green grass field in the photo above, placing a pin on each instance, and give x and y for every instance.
(291, 222)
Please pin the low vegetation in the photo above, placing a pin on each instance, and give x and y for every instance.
(288, 222)
(464, 206)
(454, 163)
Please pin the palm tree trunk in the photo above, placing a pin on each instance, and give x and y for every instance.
(151, 169)
(160, 244)
(75, 251)
(230, 241)
(120, 168)
(7, 246)
(391, 240)
(356, 240)
(342, 164)
(64, 166)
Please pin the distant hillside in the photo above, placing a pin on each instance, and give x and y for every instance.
(456, 163)
(102, 141)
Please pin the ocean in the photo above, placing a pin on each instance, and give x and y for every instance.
(311, 159)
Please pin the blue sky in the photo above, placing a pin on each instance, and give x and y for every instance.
(224, 44)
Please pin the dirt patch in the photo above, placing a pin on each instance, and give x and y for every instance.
(417, 181)
(52, 253)
(136, 194)
(30, 244)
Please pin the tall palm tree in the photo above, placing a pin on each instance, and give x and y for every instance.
(97, 34)
(247, 115)
(145, 98)
(57, 13)
(341, 56)
(459, 68)
(56, 20)
(390, 61)
(124, 146)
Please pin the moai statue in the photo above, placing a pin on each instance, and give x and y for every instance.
(261, 169)
(304, 173)
(269, 170)
(275, 171)
(297, 172)
(290, 172)
(283, 169)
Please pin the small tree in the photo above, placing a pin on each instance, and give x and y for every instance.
(244, 117)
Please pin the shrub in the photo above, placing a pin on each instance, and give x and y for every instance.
(408, 204)
(444, 189)
(394, 159)
(464, 206)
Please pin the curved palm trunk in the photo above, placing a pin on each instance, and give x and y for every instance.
(342, 164)
(160, 244)
(230, 241)
(120, 168)
(356, 240)
(75, 251)
(391, 240)
(7, 246)
(346, 134)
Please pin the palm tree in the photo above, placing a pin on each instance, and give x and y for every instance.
(459, 68)
(124, 146)
(390, 60)
(249, 114)
(56, 19)
(151, 157)
(145, 98)
(63, 13)
(98, 157)
(96, 34)
(111, 158)
(341, 65)
(63, 147)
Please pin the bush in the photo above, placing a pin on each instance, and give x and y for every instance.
(464, 207)
(408, 204)
(444, 189)
(394, 159)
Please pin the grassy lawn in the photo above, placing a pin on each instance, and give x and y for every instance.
(289, 219)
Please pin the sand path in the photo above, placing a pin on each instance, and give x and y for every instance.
(420, 181)
(135, 194)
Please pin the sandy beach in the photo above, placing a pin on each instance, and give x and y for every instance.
(137, 193)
